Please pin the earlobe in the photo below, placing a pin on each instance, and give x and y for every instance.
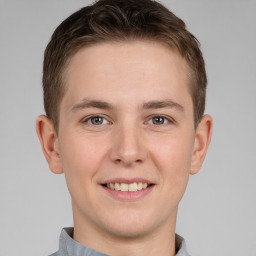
(202, 141)
(49, 143)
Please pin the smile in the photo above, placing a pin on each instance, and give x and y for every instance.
(125, 187)
(128, 189)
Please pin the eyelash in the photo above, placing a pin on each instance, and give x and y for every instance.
(169, 120)
(91, 117)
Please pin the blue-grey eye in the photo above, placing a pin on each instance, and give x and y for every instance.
(158, 120)
(97, 120)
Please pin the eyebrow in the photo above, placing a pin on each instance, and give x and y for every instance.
(91, 104)
(156, 104)
(168, 103)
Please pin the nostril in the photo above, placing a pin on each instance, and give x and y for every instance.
(118, 160)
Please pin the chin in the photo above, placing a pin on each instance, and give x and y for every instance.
(130, 225)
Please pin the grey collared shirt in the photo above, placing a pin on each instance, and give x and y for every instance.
(69, 247)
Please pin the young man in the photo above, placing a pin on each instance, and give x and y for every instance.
(124, 92)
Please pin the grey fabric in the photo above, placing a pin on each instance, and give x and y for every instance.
(180, 246)
(69, 247)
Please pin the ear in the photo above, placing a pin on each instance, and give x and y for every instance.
(202, 141)
(49, 143)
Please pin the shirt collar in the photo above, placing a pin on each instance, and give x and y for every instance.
(180, 245)
(69, 247)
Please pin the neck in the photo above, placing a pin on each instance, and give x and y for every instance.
(160, 241)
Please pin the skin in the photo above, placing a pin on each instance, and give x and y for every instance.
(132, 139)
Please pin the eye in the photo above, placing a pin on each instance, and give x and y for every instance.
(159, 120)
(96, 120)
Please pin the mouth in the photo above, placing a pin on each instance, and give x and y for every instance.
(128, 190)
(127, 187)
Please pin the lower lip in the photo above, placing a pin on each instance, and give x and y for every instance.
(129, 196)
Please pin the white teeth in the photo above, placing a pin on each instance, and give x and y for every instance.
(139, 186)
(124, 187)
(144, 185)
(133, 187)
(117, 186)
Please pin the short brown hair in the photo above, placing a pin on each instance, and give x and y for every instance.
(119, 20)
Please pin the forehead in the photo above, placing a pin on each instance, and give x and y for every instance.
(131, 53)
(125, 69)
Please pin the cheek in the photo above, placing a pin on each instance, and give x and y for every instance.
(81, 158)
(172, 157)
(173, 154)
(80, 153)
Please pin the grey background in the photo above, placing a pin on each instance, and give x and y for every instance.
(217, 213)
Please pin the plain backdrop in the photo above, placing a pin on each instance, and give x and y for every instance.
(216, 215)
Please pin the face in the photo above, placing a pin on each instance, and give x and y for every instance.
(126, 137)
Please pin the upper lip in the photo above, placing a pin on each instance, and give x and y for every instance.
(127, 180)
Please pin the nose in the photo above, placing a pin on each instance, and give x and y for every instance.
(128, 146)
